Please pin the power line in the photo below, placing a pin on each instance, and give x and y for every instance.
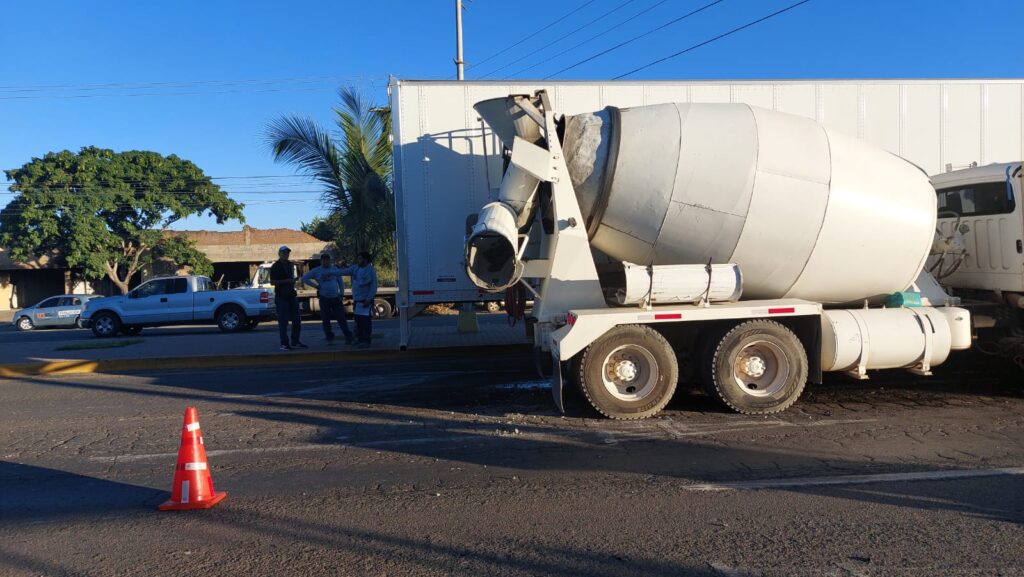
(592, 38)
(165, 84)
(710, 40)
(187, 93)
(561, 38)
(135, 89)
(511, 46)
(635, 38)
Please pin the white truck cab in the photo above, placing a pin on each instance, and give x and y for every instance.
(983, 206)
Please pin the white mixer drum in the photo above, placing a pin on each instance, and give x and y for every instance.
(806, 212)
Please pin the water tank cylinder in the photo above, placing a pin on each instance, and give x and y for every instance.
(891, 338)
(804, 211)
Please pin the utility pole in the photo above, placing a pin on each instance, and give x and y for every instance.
(458, 41)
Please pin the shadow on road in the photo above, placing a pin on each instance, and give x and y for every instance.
(34, 493)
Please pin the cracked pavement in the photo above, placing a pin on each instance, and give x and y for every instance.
(456, 466)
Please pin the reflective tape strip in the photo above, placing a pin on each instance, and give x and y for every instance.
(195, 466)
(660, 317)
(192, 427)
(781, 310)
(184, 491)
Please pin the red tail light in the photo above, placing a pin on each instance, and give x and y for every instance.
(264, 297)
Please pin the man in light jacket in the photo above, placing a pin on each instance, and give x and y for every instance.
(327, 279)
(364, 289)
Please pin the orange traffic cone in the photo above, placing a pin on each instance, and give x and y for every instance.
(193, 486)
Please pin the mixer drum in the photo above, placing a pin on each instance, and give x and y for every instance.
(806, 212)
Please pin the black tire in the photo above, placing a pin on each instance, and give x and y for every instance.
(757, 367)
(131, 330)
(382, 309)
(105, 324)
(25, 324)
(608, 368)
(231, 319)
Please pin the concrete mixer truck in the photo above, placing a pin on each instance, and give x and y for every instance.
(748, 249)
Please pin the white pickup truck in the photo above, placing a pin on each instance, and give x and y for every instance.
(178, 300)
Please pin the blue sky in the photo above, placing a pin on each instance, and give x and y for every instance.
(201, 79)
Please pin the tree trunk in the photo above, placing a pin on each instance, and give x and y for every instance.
(122, 285)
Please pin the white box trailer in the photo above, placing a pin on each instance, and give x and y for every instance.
(448, 164)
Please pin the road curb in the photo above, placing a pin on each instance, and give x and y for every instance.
(226, 362)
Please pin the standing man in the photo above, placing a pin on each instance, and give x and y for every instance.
(364, 289)
(286, 299)
(328, 282)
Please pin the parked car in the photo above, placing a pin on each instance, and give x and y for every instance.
(58, 311)
(178, 300)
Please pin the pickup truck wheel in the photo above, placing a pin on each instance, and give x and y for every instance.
(756, 368)
(231, 319)
(131, 330)
(105, 325)
(25, 324)
(629, 373)
(381, 309)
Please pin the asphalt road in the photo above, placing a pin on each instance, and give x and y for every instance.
(460, 466)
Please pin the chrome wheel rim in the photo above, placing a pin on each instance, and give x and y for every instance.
(630, 373)
(104, 325)
(24, 324)
(761, 369)
(230, 320)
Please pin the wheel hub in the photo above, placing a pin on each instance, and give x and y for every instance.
(753, 366)
(625, 370)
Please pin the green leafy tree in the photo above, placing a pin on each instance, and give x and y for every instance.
(105, 212)
(183, 252)
(354, 165)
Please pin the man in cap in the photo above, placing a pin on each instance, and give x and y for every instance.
(286, 299)
(328, 282)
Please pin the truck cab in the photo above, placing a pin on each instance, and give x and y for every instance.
(981, 207)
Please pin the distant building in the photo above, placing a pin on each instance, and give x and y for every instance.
(235, 256)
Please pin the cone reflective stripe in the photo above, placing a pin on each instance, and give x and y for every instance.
(192, 487)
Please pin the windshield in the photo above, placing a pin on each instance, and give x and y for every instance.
(263, 276)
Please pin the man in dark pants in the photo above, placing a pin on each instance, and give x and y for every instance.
(286, 299)
(329, 282)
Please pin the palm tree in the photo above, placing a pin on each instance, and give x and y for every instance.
(352, 163)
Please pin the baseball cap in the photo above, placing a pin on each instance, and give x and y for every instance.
(284, 249)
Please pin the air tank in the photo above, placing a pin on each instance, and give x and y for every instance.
(804, 211)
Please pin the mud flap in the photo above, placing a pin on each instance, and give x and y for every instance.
(557, 383)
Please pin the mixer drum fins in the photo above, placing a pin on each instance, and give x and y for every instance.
(804, 211)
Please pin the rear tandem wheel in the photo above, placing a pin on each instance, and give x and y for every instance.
(629, 373)
(757, 367)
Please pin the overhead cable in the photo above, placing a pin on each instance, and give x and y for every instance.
(635, 38)
(560, 38)
(592, 38)
(511, 46)
(710, 40)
